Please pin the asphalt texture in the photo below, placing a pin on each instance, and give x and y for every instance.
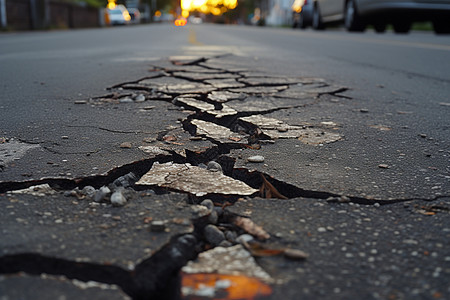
(351, 174)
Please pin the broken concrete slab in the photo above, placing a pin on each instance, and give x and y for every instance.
(194, 180)
(276, 129)
(12, 150)
(179, 141)
(70, 229)
(233, 260)
(224, 83)
(205, 107)
(260, 90)
(218, 133)
(224, 96)
(257, 104)
(269, 80)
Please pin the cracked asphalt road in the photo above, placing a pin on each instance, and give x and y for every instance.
(363, 193)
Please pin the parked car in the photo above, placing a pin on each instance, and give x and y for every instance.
(135, 15)
(358, 14)
(302, 13)
(118, 15)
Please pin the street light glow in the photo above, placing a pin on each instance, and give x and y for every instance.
(215, 7)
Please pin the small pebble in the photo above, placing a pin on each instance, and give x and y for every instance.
(213, 235)
(118, 199)
(101, 194)
(158, 226)
(383, 166)
(244, 238)
(139, 98)
(256, 159)
(214, 167)
(126, 100)
(364, 110)
(126, 145)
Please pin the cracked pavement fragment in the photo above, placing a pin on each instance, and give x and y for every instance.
(13, 150)
(194, 180)
(232, 261)
(277, 129)
(206, 107)
(218, 133)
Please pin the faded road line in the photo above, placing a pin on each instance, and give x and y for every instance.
(193, 38)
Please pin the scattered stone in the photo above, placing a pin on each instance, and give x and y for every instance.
(80, 102)
(139, 98)
(344, 199)
(423, 135)
(364, 110)
(383, 166)
(213, 218)
(158, 226)
(89, 191)
(125, 145)
(118, 199)
(213, 235)
(101, 194)
(65, 137)
(256, 159)
(125, 180)
(200, 211)
(244, 239)
(126, 100)
(214, 167)
(295, 254)
(208, 203)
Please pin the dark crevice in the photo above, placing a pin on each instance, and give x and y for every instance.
(154, 278)
(139, 168)
(136, 81)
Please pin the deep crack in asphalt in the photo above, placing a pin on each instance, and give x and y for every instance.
(218, 99)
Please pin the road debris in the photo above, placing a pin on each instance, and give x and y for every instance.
(233, 260)
(250, 227)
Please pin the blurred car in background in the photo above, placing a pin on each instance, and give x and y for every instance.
(358, 14)
(302, 13)
(118, 15)
(135, 15)
(195, 20)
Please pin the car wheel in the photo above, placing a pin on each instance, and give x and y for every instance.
(317, 23)
(380, 27)
(352, 19)
(401, 26)
(441, 26)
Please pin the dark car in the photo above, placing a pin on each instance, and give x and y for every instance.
(357, 14)
(302, 13)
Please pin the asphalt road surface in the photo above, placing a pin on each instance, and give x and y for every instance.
(360, 148)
